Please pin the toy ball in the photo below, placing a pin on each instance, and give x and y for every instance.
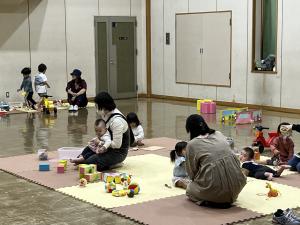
(119, 193)
(125, 177)
(82, 182)
(110, 187)
(130, 194)
(135, 187)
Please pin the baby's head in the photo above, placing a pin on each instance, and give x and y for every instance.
(247, 154)
(100, 127)
(282, 131)
(180, 150)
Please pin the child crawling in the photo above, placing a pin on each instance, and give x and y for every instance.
(252, 169)
(97, 145)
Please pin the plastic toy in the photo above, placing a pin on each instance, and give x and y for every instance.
(208, 107)
(48, 105)
(250, 116)
(44, 166)
(130, 193)
(60, 168)
(125, 178)
(256, 154)
(135, 187)
(92, 177)
(199, 101)
(69, 152)
(230, 114)
(119, 193)
(42, 154)
(64, 162)
(115, 177)
(4, 106)
(272, 191)
(86, 168)
(110, 187)
(260, 140)
(82, 182)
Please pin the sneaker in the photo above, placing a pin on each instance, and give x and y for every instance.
(75, 108)
(280, 217)
(71, 108)
(289, 212)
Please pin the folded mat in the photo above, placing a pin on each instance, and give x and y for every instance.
(178, 210)
(150, 171)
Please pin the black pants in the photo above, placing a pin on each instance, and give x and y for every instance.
(80, 101)
(260, 173)
(30, 100)
(87, 153)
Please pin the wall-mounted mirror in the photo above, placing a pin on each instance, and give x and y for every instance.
(264, 39)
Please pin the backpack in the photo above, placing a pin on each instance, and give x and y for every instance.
(131, 136)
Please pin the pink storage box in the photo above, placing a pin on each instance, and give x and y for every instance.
(208, 107)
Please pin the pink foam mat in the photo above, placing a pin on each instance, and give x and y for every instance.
(291, 180)
(178, 210)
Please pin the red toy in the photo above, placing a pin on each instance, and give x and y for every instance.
(260, 140)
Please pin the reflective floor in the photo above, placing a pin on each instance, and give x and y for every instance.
(22, 202)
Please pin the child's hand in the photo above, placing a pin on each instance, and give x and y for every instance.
(101, 150)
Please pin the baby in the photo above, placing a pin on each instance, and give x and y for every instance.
(252, 169)
(98, 145)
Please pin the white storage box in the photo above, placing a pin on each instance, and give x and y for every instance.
(69, 152)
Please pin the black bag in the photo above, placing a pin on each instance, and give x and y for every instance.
(131, 136)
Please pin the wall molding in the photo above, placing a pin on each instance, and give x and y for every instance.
(223, 103)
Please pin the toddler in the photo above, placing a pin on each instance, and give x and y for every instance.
(137, 129)
(252, 169)
(27, 87)
(282, 147)
(180, 176)
(97, 145)
(40, 81)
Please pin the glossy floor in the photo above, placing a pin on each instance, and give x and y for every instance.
(22, 202)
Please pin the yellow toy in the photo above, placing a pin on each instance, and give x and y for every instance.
(48, 105)
(82, 182)
(64, 162)
(119, 193)
(110, 187)
(199, 101)
(272, 192)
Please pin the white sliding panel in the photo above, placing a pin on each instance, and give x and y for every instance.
(216, 48)
(188, 42)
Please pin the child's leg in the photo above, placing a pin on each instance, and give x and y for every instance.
(30, 100)
(263, 175)
(78, 160)
(269, 175)
(87, 152)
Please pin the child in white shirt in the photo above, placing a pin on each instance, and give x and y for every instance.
(136, 128)
(41, 81)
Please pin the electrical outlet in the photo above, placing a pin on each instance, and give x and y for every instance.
(7, 94)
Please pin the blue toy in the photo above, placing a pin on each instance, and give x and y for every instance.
(44, 166)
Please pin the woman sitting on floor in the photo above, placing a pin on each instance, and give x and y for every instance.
(215, 173)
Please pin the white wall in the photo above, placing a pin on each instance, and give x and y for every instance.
(279, 90)
(61, 35)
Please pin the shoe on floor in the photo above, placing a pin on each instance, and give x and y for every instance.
(290, 213)
(75, 108)
(281, 217)
(71, 108)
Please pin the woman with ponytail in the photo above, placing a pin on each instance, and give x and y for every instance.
(214, 170)
(180, 177)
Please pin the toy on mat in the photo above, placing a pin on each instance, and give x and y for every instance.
(110, 187)
(272, 192)
(60, 168)
(125, 178)
(82, 182)
(86, 168)
(42, 154)
(119, 193)
(44, 166)
(135, 187)
(64, 162)
(92, 177)
(130, 193)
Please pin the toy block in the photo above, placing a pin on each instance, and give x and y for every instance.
(92, 177)
(108, 177)
(64, 162)
(110, 187)
(86, 168)
(199, 101)
(60, 168)
(44, 166)
(208, 107)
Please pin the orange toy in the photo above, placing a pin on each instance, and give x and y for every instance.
(272, 192)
